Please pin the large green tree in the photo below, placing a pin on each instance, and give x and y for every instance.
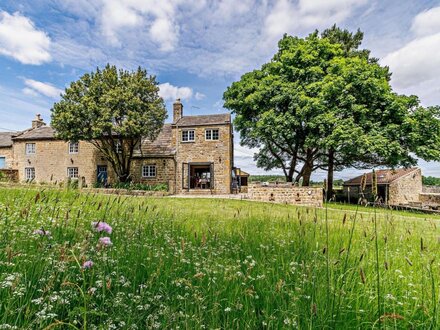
(322, 103)
(113, 110)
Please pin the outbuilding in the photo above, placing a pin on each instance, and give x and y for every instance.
(394, 186)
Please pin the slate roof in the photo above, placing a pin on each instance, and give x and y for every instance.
(383, 176)
(204, 120)
(6, 139)
(40, 133)
(161, 146)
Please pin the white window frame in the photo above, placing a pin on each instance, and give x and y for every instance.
(209, 134)
(149, 171)
(188, 133)
(72, 172)
(30, 148)
(118, 147)
(29, 173)
(73, 148)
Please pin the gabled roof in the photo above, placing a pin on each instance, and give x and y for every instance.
(6, 139)
(218, 119)
(383, 176)
(39, 133)
(161, 146)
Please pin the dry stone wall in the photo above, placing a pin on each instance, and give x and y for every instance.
(430, 198)
(286, 194)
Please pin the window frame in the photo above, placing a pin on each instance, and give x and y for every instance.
(188, 135)
(211, 134)
(118, 147)
(34, 149)
(147, 174)
(70, 148)
(73, 168)
(27, 171)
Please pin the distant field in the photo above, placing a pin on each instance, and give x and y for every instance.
(207, 263)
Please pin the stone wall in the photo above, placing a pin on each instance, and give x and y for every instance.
(430, 198)
(126, 192)
(406, 189)
(52, 159)
(8, 154)
(431, 189)
(218, 152)
(286, 194)
(165, 170)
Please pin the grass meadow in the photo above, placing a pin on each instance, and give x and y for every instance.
(72, 260)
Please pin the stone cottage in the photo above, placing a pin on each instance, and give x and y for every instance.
(193, 154)
(394, 186)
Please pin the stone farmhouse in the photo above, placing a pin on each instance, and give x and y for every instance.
(193, 154)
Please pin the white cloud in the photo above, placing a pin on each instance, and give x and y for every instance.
(42, 88)
(21, 40)
(118, 17)
(427, 22)
(416, 65)
(289, 17)
(199, 96)
(170, 93)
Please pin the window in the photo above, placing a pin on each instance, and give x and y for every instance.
(148, 171)
(72, 172)
(188, 136)
(211, 134)
(30, 148)
(29, 173)
(118, 147)
(73, 147)
(2, 162)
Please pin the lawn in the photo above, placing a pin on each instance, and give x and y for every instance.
(204, 263)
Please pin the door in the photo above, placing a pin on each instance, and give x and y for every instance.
(2, 162)
(102, 174)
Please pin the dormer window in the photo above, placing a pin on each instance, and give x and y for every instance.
(188, 135)
(30, 148)
(211, 134)
(73, 147)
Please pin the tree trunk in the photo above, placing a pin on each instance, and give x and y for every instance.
(307, 174)
(330, 174)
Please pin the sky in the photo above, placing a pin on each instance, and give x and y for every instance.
(197, 48)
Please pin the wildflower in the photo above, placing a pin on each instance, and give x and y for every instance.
(105, 241)
(102, 226)
(42, 232)
(227, 309)
(88, 264)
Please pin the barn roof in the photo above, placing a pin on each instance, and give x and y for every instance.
(383, 176)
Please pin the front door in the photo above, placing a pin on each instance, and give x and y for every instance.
(102, 174)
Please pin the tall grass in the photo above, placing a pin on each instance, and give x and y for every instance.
(206, 263)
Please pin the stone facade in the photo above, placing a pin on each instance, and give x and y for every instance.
(52, 160)
(7, 153)
(202, 163)
(406, 189)
(286, 193)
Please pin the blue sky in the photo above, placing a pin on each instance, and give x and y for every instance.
(197, 48)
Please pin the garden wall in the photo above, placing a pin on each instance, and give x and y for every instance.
(429, 198)
(126, 192)
(286, 193)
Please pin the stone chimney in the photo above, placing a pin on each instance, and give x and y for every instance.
(177, 110)
(38, 122)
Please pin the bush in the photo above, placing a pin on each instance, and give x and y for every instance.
(140, 186)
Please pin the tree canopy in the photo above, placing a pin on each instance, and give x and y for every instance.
(113, 110)
(322, 103)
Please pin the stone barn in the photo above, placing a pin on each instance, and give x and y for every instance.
(394, 186)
